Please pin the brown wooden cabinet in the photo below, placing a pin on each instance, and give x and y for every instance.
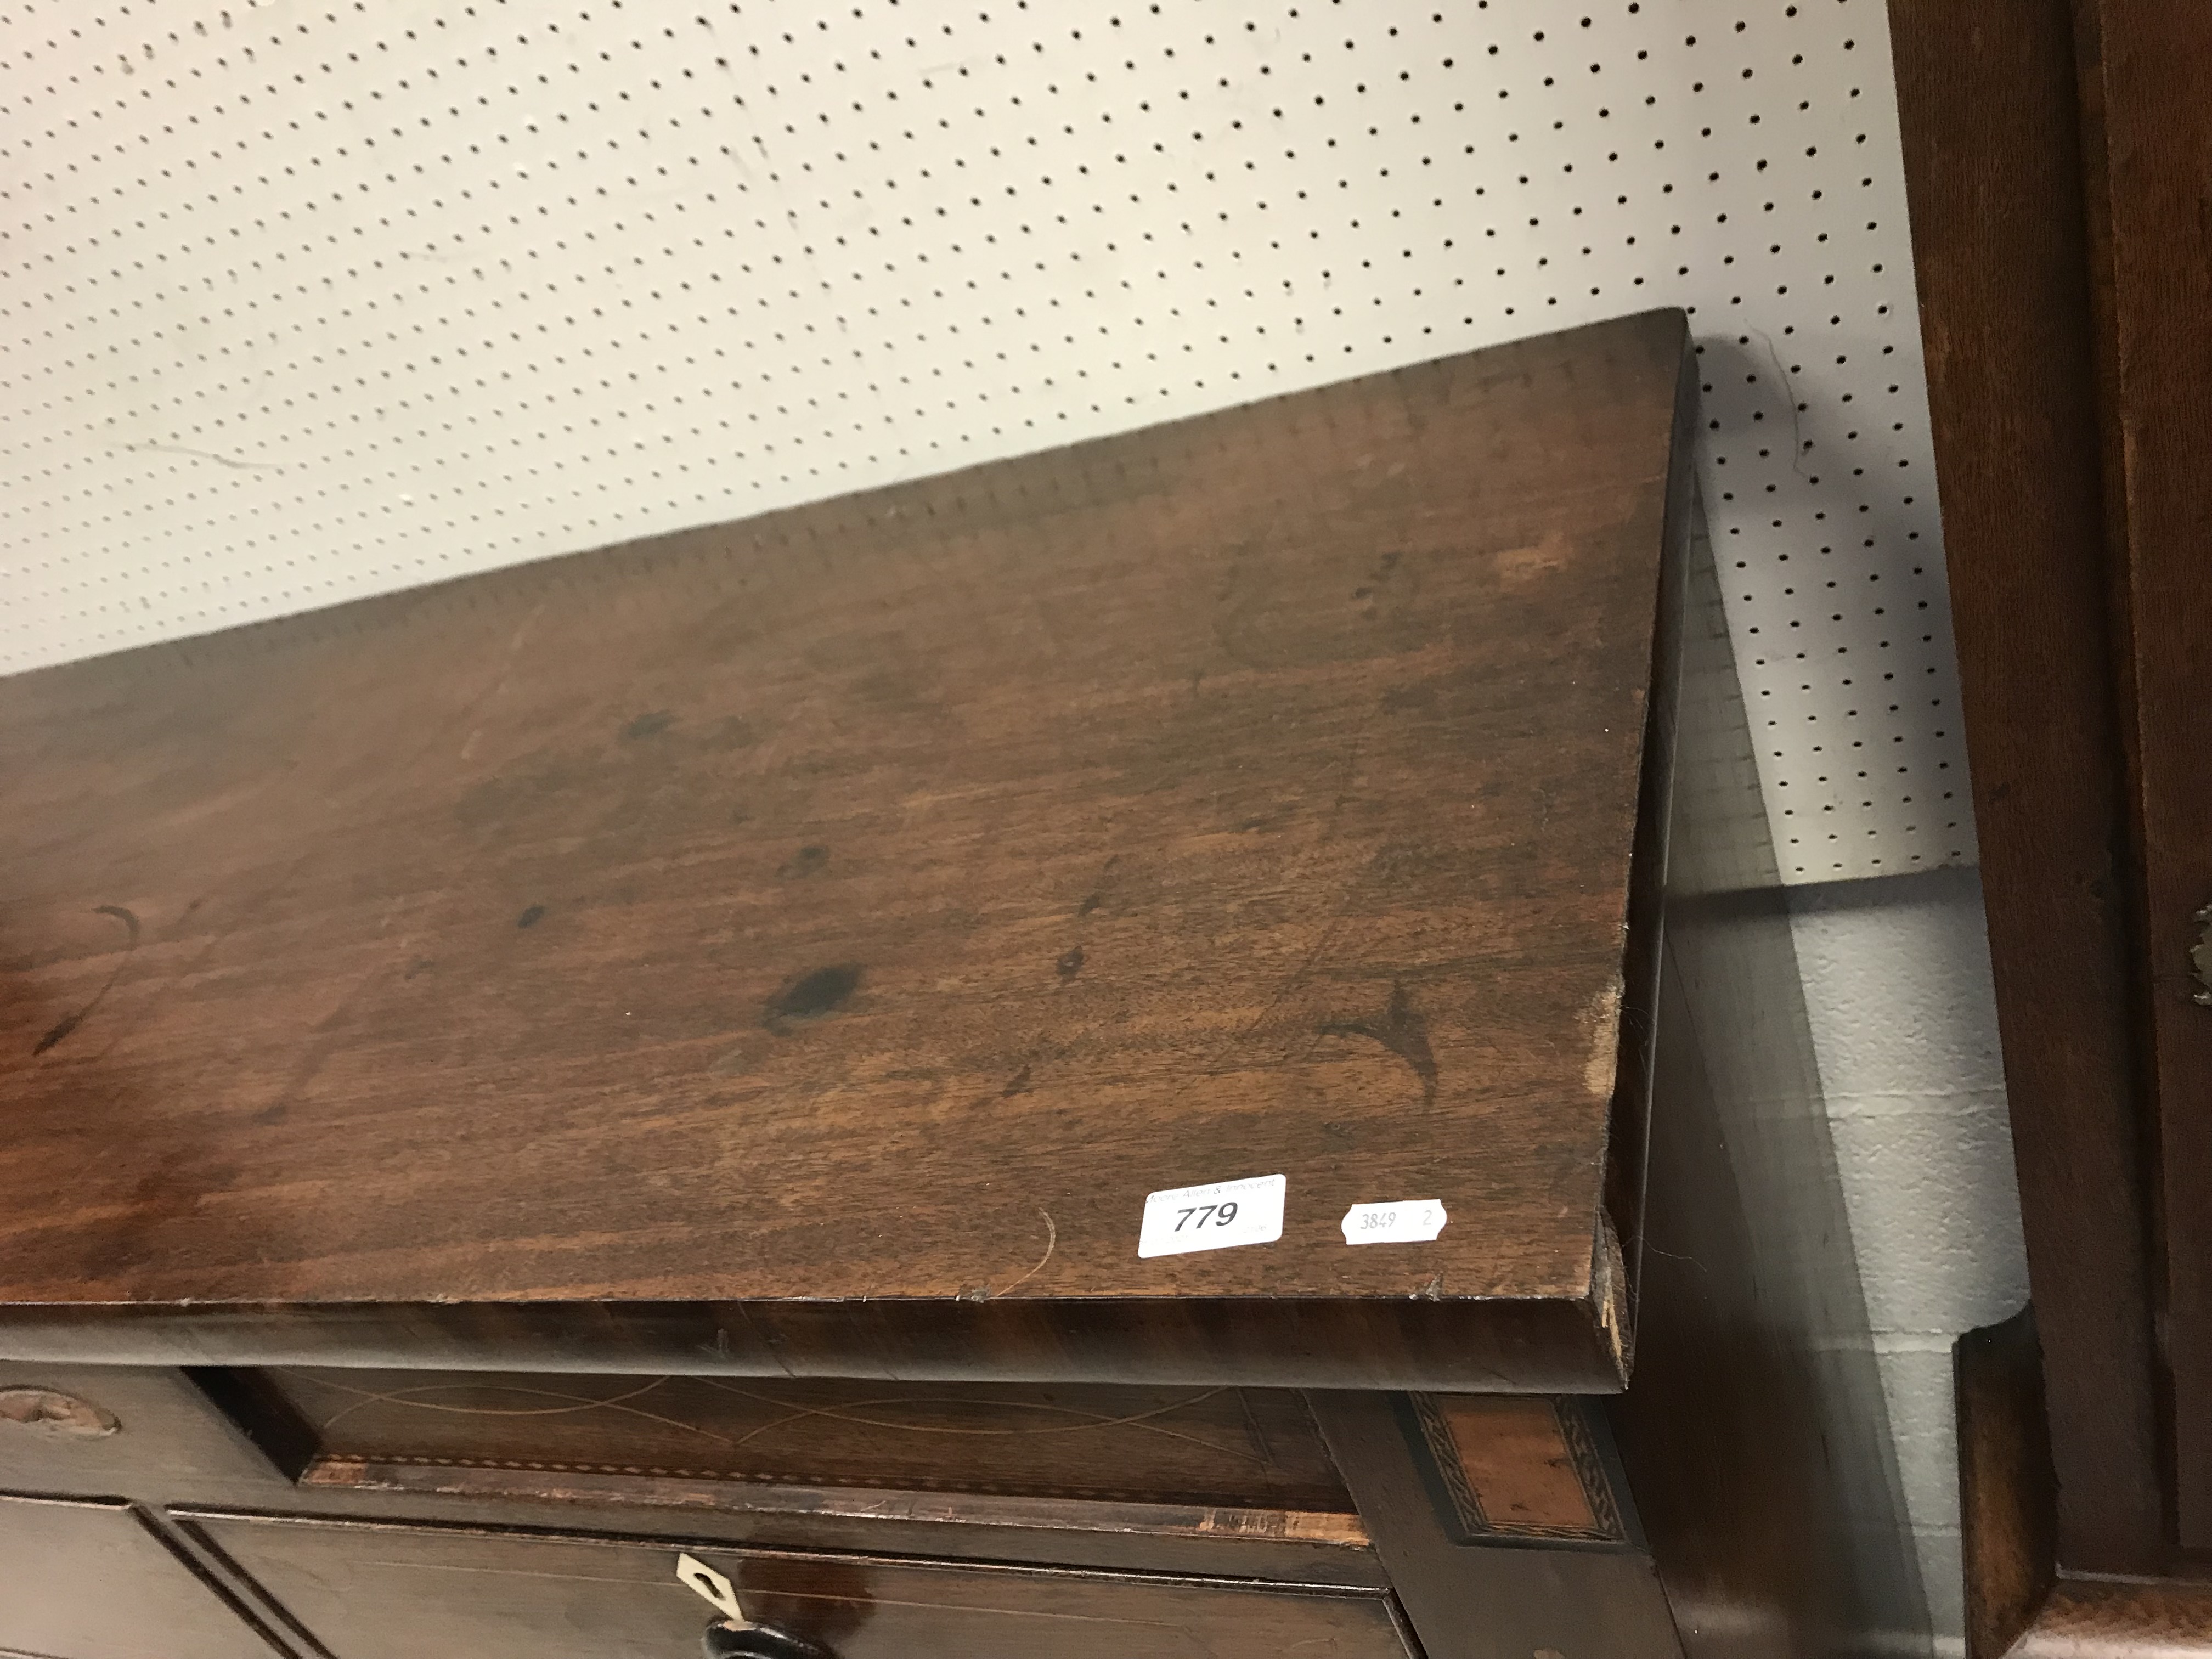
(688, 1046)
(355, 1512)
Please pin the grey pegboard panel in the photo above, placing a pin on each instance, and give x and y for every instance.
(307, 301)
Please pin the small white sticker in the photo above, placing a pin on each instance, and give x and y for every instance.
(1409, 1221)
(1213, 1218)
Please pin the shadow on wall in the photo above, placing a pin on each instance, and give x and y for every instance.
(1757, 1428)
(1896, 985)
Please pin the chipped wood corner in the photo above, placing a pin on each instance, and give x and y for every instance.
(1601, 1028)
(1610, 1298)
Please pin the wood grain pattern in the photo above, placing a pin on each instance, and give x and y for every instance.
(2017, 1608)
(844, 919)
(377, 1592)
(2143, 66)
(2007, 1489)
(1987, 99)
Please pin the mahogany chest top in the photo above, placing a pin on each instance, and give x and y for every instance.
(804, 944)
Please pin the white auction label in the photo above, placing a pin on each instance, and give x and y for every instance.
(1409, 1221)
(1215, 1218)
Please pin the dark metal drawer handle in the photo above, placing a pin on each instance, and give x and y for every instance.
(727, 1640)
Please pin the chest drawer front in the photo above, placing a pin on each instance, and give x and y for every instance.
(93, 1580)
(368, 1591)
(1254, 1450)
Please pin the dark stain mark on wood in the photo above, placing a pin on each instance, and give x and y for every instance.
(274, 1112)
(1096, 897)
(530, 917)
(1401, 1031)
(649, 725)
(732, 731)
(804, 862)
(1070, 963)
(1017, 1084)
(419, 965)
(812, 994)
(69, 1023)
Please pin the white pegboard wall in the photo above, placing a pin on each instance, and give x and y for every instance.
(308, 301)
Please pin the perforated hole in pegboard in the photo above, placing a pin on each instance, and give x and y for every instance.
(311, 301)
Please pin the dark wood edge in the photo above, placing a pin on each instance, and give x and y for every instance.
(182, 1547)
(2007, 1492)
(202, 1520)
(1629, 1124)
(2146, 131)
(558, 1482)
(298, 1639)
(1989, 109)
(246, 1398)
(1487, 1597)
(2018, 1604)
(794, 531)
(1445, 1346)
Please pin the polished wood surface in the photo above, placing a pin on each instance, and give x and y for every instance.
(2143, 67)
(1986, 95)
(84, 1580)
(382, 1592)
(2007, 1488)
(2055, 154)
(845, 919)
(2017, 1606)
